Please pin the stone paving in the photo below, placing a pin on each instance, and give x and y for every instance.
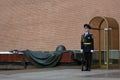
(60, 73)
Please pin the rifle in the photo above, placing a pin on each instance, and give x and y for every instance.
(83, 62)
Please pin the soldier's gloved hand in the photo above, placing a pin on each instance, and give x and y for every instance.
(81, 50)
(91, 51)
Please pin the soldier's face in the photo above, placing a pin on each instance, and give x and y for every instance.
(86, 30)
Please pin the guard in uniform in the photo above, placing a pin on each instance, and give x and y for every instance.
(87, 47)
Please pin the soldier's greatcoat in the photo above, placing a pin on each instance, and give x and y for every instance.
(87, 42)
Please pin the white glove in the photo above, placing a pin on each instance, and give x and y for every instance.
(81, 50)
(91, 51)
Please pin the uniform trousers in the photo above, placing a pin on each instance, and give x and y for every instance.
(88, 60)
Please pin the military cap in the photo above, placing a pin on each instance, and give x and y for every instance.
(87, 26)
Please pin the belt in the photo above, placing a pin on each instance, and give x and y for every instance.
(87, 43)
